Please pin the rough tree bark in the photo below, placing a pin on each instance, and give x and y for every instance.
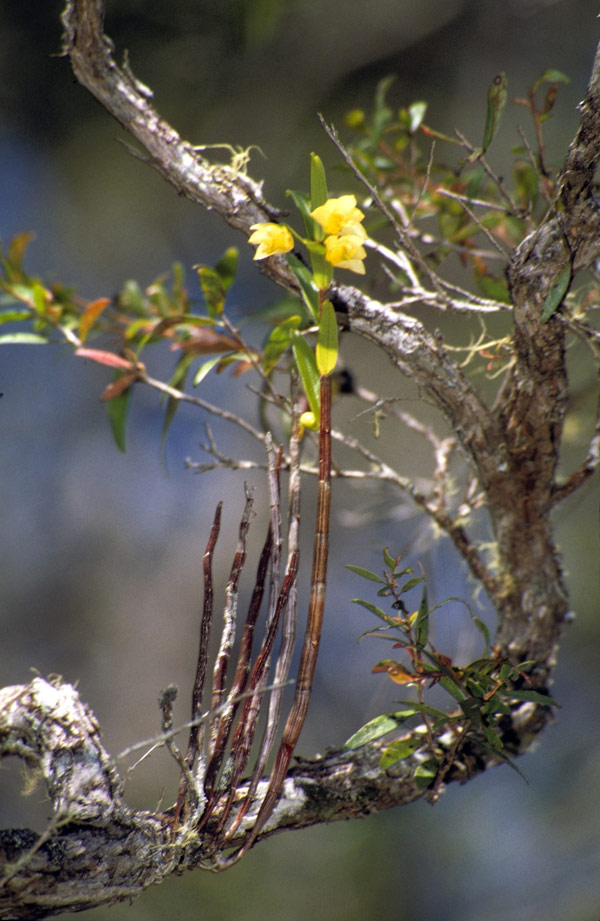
(98, 850)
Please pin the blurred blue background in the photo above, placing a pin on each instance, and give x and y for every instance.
(100, 553)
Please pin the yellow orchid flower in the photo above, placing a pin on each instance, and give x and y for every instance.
(270, 239)
(346, 251)
(337, 213)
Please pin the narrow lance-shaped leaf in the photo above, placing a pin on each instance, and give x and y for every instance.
(172, 404)
(205, 369)
(14, 316)
(396, 671)
(426, 773)
(15, 254)
(318, 182)
(308, 289)
(374, 610)
(307, 368)
(212, 289)
(402, 748)
(389, 559)
(226, 267)
(556, 294)
(422, 621)
(377, 727)
(365, 573)
(90, 315)
(327, 342)
(279, 342)
(532, 696)
(106, 358)
(312, 228)
(322, 270)
(118, 409)
(23, 339)
(496, 102)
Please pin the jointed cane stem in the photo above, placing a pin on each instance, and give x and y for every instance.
(312, 636)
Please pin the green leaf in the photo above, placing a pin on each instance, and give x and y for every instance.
(212, 289)
(365, 573)
(555, 295)
(177, 379)
(131, 299)
(471, 706)
(497, 95)
(39, 297)
(373, 609)
(425, 708)
(388, 559)
(377, 727)
(15, 255)
(327, 343)
(397, 751)
(552, 76)
(533, 696)
(411, 584)
(475, 181)
(23, 339)
(426, 773)
(307, 368)
(226, 267)
(484, 632)
(177, 287)
(492, 737)
(492, 286)
(422, 620)
(452, 687)
(318, 182)
(14, 316)
(23, 293)
(313, 229)
(279, 342)
(308, 289)
(205, 368)
(382, 114)
(118, 409)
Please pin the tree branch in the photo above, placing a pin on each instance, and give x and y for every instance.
(230, 192)
(98, 851)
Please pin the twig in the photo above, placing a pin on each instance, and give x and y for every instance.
(201, 666)
(202, 404)
(284, 660)
(464, 203)
(585, 469)
(491, 174)
(400, 231)
(241, 675)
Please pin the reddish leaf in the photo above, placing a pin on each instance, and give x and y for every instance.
(118, 386)
(90, 315)
(241, 367)
(396, 671)
(204, 341)
(106, 358)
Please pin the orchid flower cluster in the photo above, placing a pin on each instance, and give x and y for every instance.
(334, 238)
(343, 234)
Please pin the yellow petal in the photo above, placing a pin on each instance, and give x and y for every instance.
(270, 239)
(338, 213)
(346, 251)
